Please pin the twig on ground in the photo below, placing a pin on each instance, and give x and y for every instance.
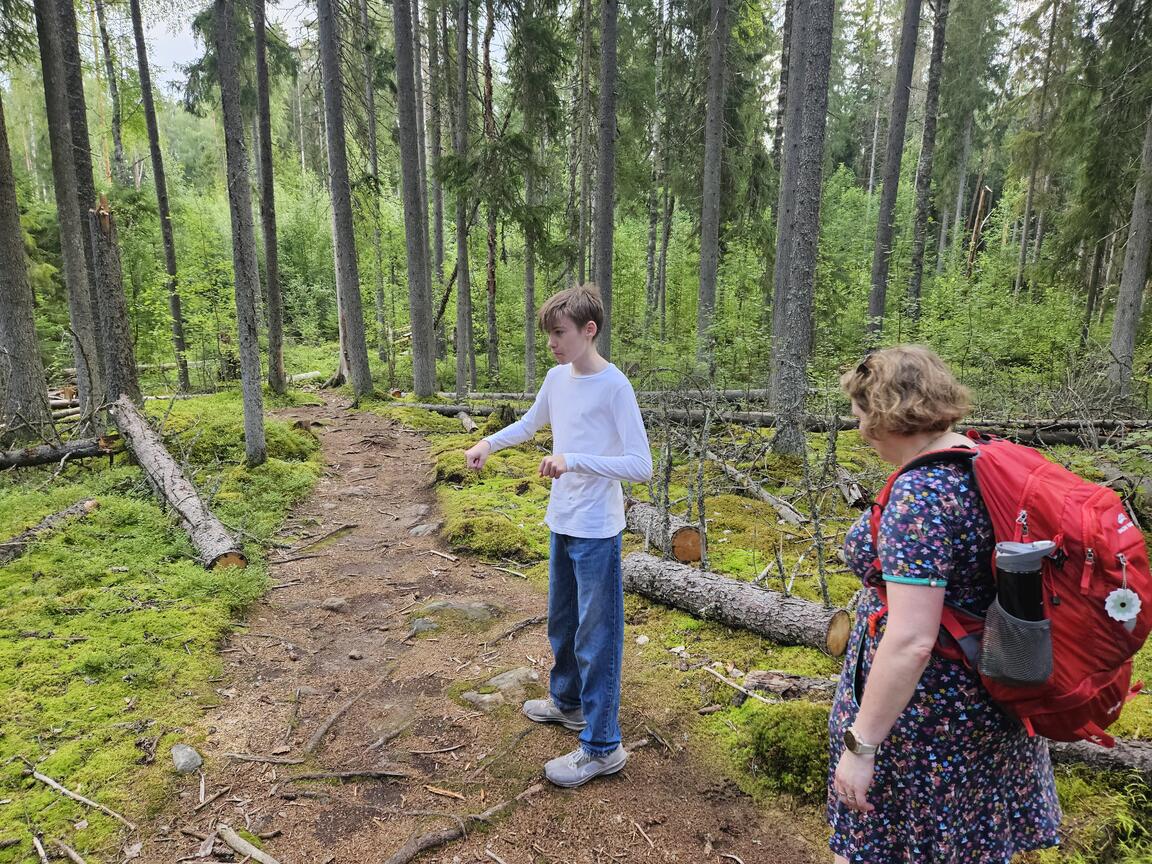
(736, 686)
(318, 736)
(48, 781)
(69, 853)
(494, 857)
(347, 526)
(443, 555)
(289, 560)
(516, 628)
(210, 799)
(390, 735)
(441, 750)
(40, 849)
(431, 840)
(643, 833)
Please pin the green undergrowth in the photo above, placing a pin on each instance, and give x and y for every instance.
(109, 627)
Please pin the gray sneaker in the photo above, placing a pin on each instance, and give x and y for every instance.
(580, 766)
(545, 711)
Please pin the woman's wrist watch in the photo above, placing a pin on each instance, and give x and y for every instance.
(853, 744)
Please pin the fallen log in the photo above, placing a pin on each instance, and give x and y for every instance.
(785, 685)
(304, 376)
(1127, 755)
(12, 549)
(682, 538)
(214, 545)
(785, 620)
(45, 454)
(1032, 432)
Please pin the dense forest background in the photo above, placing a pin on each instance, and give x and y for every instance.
(976, 185)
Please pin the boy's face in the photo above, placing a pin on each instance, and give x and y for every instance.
(569, 342)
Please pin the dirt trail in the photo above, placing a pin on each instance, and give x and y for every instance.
(662, 807)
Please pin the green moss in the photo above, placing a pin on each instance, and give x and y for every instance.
(1106, 819)
(787, 748)
(109, 628)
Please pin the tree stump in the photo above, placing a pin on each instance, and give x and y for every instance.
(785, 620)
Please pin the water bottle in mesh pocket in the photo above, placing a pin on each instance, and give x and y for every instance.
(1015, 651)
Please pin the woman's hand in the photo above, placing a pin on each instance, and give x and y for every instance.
(476, 455)
(852, 779)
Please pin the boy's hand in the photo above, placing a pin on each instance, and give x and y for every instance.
(476, 455)
(553, 466)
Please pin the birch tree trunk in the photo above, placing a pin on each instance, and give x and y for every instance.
(246, 275)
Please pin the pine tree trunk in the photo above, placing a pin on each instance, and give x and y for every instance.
(81, 314)
(435, 118)
(354, 345)
(650, 290)
(179, 344)
(606, 170)
(368, 37)
(1134, 277)
(274, 303)
(246, 276)
(23, 393)
(894, 152)
(582, 239)
(924, 165)
(119, 169)
(415, 212)
(421, 132)
(791, 388)
(490, 137)
(782, 90)
(463, 279)
(81, 152)
(786, 214)
(115, 334)
(1034, 165)
(713, 158)
(530, 273)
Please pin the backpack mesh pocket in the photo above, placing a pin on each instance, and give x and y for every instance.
(1014, 651)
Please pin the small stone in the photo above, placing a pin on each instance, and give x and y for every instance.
(355, 655)
(186, 759)
(292, 651)
(335, 604)
(514, 679)
(483, 701)
(479, 612)
(424, 529)
(422, 625)
(642, 640)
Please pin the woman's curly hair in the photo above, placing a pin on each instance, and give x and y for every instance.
(905, 390)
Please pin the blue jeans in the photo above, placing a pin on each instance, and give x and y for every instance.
(586, 629)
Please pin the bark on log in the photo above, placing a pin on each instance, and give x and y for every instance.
(785, 685)
(214, 544)
(785, 620)
(682, 538)
(1127, 755)
(44, 454)
(12, 549)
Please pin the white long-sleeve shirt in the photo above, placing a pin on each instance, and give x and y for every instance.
(597, 427)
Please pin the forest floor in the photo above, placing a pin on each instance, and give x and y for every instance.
(337, 628)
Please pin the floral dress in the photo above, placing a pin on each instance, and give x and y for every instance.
(956, 780)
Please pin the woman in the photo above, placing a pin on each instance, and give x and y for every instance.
(925, 768)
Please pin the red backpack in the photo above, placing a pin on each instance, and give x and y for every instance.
(1098, 550)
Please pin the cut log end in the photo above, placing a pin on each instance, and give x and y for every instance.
(686, 544)
(839, 629)
(229, 559)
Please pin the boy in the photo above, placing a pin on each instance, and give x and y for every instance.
(598, 440)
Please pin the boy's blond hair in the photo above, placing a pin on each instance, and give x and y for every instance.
(581, 303)
(905, 390)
